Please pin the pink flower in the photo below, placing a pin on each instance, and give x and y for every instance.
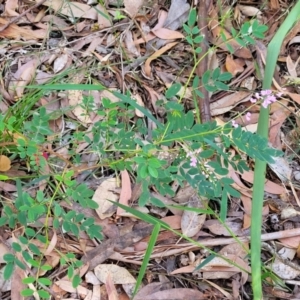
(253, 100)
(271, 98)
(266, 103)
(234, 124)
(257, 95)
(193, 161)
(248, 116)
(265, 92)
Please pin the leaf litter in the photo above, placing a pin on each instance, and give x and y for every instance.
(139, 46)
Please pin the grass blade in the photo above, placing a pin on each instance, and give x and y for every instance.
(147, 256)
(260, 167)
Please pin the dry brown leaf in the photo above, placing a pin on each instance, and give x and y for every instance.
(52, 244)
(249, 11)
(283, 270)
(22, 77)
(132, 6)
(233, 66)
(217, 228)
(291, 242)
(111, 289)
(66, 285)
(16, 32)
(162, 16)
(270, 186)
(126, 193)
(277, 119)
(130, 45)
(103, 21)
(7, 187)
(291, 66)
(167, 34)
(178, 294)
(103, 194)
(173, 221)
(5, 163)
(191, 221)
(17, 284)
(60, 62)
(10, 8)
(72, 9)
(155, 55)
(228, 102)
(119, 275)
(140, 102)
(53, 4)
(75, 99)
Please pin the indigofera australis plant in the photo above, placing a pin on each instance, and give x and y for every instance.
(199, 160)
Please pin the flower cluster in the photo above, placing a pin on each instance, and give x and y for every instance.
(266, 96)
(193, 158)
(205, 168)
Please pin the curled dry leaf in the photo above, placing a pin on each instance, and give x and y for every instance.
(283, 270)
(140, 102)
(22, 77)
(249, 11)
(104, 20)
(103, 194)
(10, 8)
(5, 163)
(291, 66)
(191, 221)
(16, 32)
(178, 294)
(167, 34)
(66, 285)
(111, 289)
(132, 6)
(217, 228)
(75, 99)
(125, 191)
(60, 62)
(233, 66)
(228, 102)
(119, 275)
(155, 55)
(130, 45)
(72, 9)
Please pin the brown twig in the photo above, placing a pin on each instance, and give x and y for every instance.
(22, 15)
(203, 104)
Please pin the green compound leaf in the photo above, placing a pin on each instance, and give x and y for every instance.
(152, 172)
(192, 18)
(76, 281)
(44, 294)
(173, 90)
(8, 271)
(8, 257)
(27, 292)
(45, 281)
(34, 249)
(28, 280)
